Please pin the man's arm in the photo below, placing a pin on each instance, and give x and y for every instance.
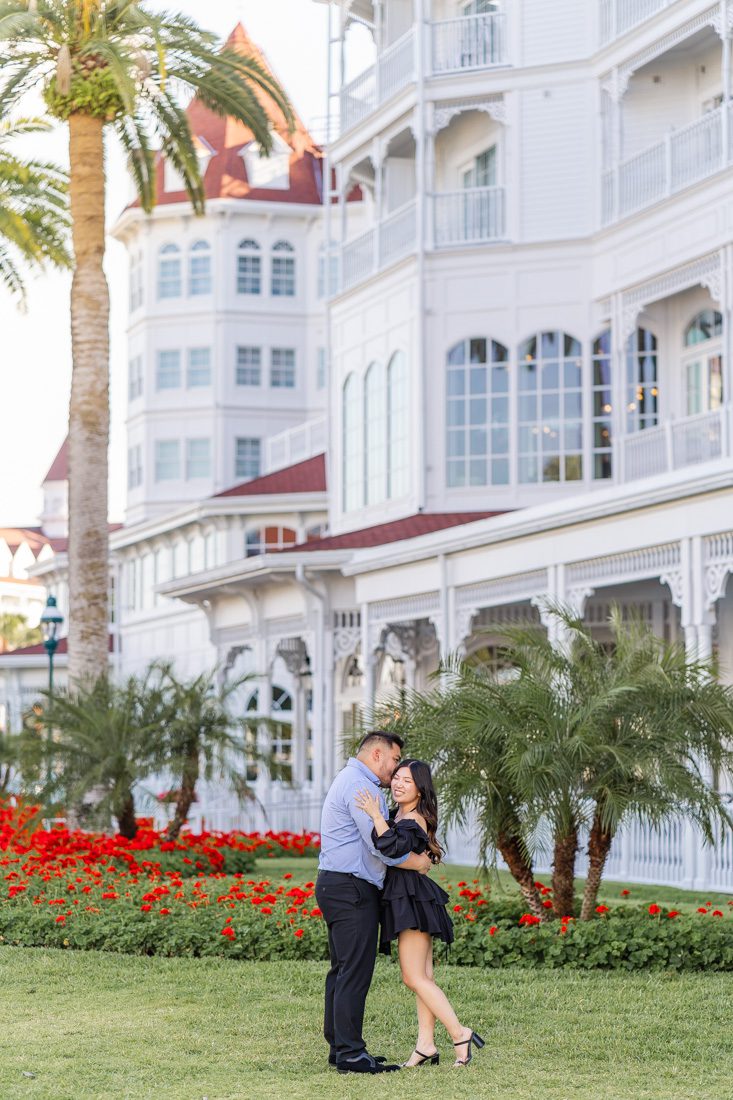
(410, 862)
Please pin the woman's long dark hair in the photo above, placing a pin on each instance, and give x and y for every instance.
(428, 803)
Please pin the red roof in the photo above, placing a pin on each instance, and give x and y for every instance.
(226, 175)
(37, 650)
(303, 477)
(59, 470)
(395, 531)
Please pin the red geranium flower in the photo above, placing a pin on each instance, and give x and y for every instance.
(298, 933)
(625, 893)
(146, 908)
(602, 909)
(717, 913)
(673, 913)
(165, 912)
(493, 930)
(654, 910)
(547, 904)
(457, 908)
(702, 909)
(529, 918)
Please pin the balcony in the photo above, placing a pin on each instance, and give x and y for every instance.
(470, 42)
(683, 158)
(676, 444)
(472, 216)
(384, 244)
(619, 16)
(295, 445)
(394, 70)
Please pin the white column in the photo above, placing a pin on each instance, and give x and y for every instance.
(264, 708)
(429, 183)
(368, 658)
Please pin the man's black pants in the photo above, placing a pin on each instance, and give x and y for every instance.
(350, 906)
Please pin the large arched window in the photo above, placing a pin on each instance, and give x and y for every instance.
(703, 362)
(642, 393)
(249, 268)
(550, 408)
(398, 427)
(375, 435)
(199, 268)
(602, 406)
(477, 413)
(353, 480)
(283, 270)
(280, 730)
(169, 271)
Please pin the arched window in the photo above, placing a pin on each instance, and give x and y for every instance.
(199, 269)
(642, 393)
(398, 427)
(477, 414)
(550, 408)
(602, 406)
(280, 733)
(375, 435)
(283, 270)
(169, 272)
(249, 268)
(352, 473)
(703, 362)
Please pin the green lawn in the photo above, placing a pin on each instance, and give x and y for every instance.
(92, 1026)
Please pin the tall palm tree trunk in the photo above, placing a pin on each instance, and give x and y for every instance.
(599, 845)
(512, 853)
(89, 407)
(187, 792)
(126, 822)
(563, 873)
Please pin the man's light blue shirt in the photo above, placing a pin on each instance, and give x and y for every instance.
(346, 832)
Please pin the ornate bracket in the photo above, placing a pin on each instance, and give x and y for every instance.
(716, 579)
(346, 640)
(294, 653)
(676, 583)
(493, 106)
(576, 598)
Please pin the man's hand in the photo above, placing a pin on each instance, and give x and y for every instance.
(414, 862)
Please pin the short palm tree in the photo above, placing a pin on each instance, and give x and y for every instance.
(34, 220)
(115, 65)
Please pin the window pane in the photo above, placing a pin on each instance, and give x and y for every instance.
(198, 458)
(167, 460)
(168, 370)
(249, 366)
(247, 457)
(248, 274)
(282, 368)
(198, 371)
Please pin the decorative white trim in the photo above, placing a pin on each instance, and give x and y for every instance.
(706, 271)
(576, 599)
(675, 581)
(511, 589)
(631, 565)
(493, 105)
(405, 609)
(346, 633)
(718, 559)
(617, 82)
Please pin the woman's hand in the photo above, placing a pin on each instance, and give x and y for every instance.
(369, 803)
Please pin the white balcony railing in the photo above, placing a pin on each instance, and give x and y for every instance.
(357, 260)
(384, 244)
(295, 445)
(675, 445)
(619, 16)
(470, 42)
(684, 157)
(394, 70)
(471, 216)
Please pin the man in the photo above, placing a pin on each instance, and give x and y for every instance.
(351, 874)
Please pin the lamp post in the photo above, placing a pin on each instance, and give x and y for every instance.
(51, 621)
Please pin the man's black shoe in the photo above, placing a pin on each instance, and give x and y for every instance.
(333, 1060)
(366, 1064)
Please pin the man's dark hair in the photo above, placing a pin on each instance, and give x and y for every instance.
(374, 737)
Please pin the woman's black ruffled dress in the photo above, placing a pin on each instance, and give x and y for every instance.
(409, 899)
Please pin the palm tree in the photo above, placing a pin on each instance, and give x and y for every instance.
(114, 64)
(34, 222)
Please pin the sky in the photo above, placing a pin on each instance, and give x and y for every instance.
(35, 353)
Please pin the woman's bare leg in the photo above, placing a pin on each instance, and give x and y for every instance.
(425, 1018)
(413, 951)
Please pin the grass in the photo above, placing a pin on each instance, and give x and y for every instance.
(91, 1026)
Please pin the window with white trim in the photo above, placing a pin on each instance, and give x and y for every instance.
(477, 413)
(134, 466)
(198, 368)
(198, 458)
(351, 420)
(398, 427)
(247, 457)
(375, 434)
(283, 270)
(602, 407)
(282, 368)
(642, 390)
(199, 269)
(169, 272)
(261, 540)
(168, 369)
(703, 362)
(249, 366)
(167, 460)
(135, 378)
(249, 267)
(550, 408)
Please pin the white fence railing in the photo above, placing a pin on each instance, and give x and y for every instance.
(675, 445)
(384, 244)
(394, 70)
(684, 157)
(469, 216)
(619, 16)
(357, 259)
(398, 234)
(296, 444)
(469, 42)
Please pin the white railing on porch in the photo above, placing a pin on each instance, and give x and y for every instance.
(684, 157)
(474, 215)
(295, 445)
(469, 42)
(619, 16)
(675, 445)
(386, 243)
(394, 70)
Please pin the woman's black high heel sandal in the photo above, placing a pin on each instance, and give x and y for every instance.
(473, 1040)
(426, 1059)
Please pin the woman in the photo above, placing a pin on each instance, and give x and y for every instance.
(413, 907)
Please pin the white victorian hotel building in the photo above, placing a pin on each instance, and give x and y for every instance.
(476, 354)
